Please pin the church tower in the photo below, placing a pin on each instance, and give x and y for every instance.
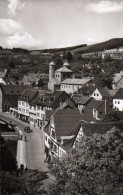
(51, 75)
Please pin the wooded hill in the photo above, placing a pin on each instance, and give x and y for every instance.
(80, 49)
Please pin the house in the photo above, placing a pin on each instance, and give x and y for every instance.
(30, 79)
(81, 101)
(51, 101)
(58, 131)
(88, 129)
(24, 104)
(73, 85)
(118, 100)
(117, 80)
(101, 93)
(95, 110)
(9, 96)
(44, 78)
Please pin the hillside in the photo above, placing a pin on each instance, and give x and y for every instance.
(110, 44)
(63, 49)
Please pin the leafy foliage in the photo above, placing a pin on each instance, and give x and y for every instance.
(29, 182)
(95, 167)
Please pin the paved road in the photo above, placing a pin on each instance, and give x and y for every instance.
(34, 147)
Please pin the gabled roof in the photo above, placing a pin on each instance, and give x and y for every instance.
(30, 78)
(76, 81)
(14, 89)
(48, 114)
(104, 92)
(88, 112)
(82, 100)
(63, 69)
(90, 128)
(65, 120)
(28, 95)
(48, 98)
(119, 94)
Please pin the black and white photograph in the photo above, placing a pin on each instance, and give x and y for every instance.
(61, 97)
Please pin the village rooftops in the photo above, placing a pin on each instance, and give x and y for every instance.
(65, 120)
(28, 95)
(48, 98)
(104, 92)
(14, 89)
(76, 81)
(119, 94)
(88, 129)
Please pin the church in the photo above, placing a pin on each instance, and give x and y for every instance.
(63, 79)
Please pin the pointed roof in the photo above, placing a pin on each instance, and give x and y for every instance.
(52, 64)
(119, 94)
(63, 69)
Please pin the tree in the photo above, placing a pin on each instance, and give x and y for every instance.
(69, 56)
(40, 83)
(94, 168)
(29, 182)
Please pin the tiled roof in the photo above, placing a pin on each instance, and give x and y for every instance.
(30, 78)
(100, 128)
(28, 95)
(63, 69)
(65, 120)
(48, 114)
(82, 100)
(88, 112)
(48, 98)
(76, 81)
(104, 92)
(14, 89)
(119, 94)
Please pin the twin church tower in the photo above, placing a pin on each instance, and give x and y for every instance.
(56, 77)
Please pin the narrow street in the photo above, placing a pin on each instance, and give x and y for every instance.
(34, 147)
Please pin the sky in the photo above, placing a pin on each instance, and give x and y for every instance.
(41, 24)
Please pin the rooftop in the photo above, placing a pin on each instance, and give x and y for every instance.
(63, 69)
(119, 94)
(76, 81)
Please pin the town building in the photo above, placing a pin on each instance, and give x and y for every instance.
(56, 77)
(58, 131)
(9, 96)
(118, 100)
(24, 104)
(101, 93)
(95, 110)
(50, 101)
(117, 81)
(73, 85)
(30, 79)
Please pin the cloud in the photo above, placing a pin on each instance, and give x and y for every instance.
(9, 27)
(14, 6)
(103, 7)
(24, 40)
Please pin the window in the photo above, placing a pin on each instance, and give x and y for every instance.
(115, 102)
(53, 134)
(97, 94)
(118, 102)
(38, 114)
(46, 138)
(94, 94)
(55, 148)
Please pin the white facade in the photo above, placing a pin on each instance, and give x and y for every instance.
(96, 95)
(70, 88)
(23, 108)
(118, 104)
